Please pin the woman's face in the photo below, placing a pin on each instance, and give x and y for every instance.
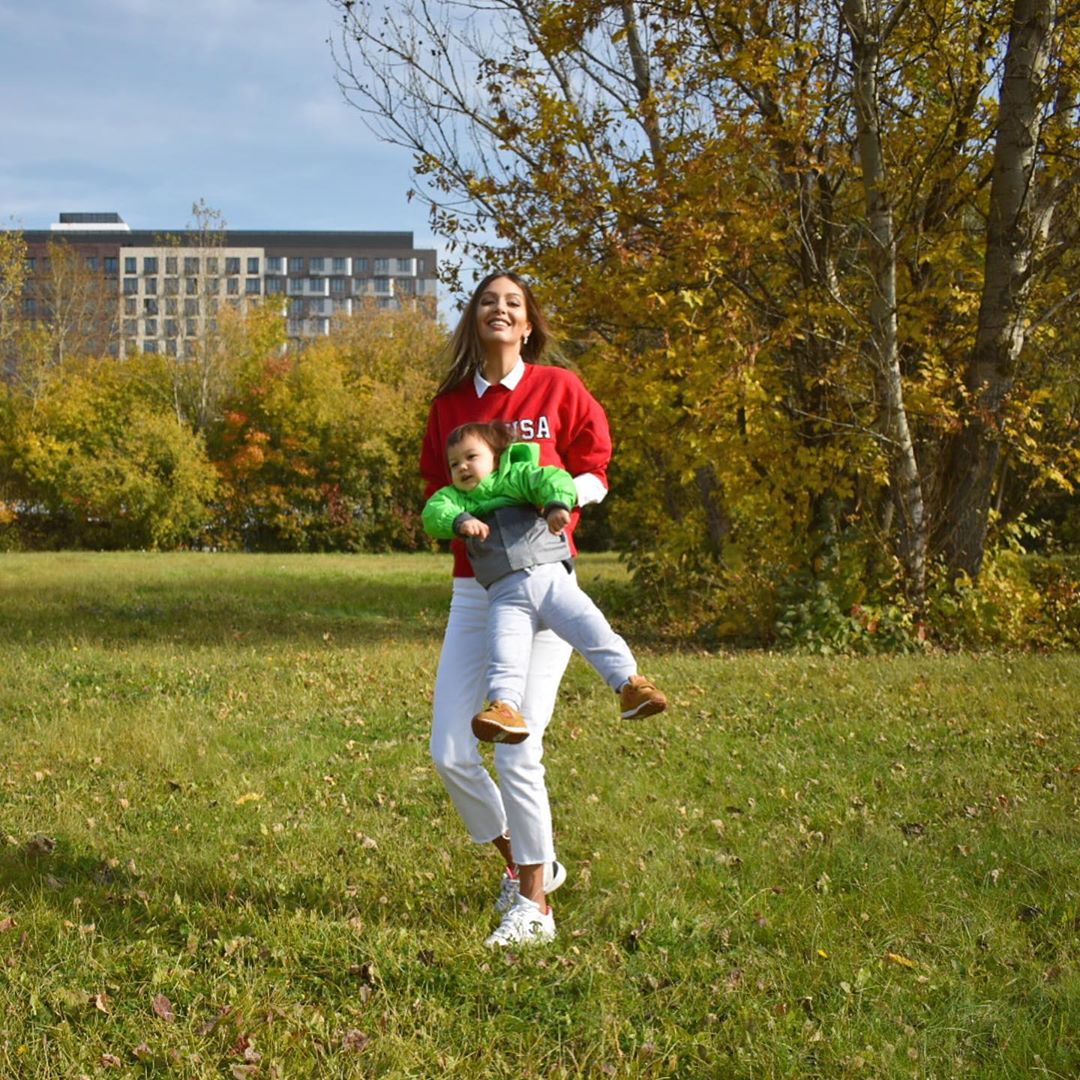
(501, 314)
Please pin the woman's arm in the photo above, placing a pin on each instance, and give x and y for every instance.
(584, 443)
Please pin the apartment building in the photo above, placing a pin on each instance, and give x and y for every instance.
(163, 291)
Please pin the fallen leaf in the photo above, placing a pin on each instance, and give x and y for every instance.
(101, 1002)
(40, 845)
(633, 939)
(111, 1061)
(208, 1026)
(823, 954)
(251, 796)
(903, 961)
(7, 923)
(163, 1007)
(143, 1052)
(354, 1041)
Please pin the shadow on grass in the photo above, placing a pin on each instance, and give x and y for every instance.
(241, 610)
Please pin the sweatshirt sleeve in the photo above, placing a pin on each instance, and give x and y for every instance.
(441, 511)
(433, 467)
(586, 446)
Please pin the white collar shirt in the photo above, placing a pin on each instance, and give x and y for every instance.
(509, 380)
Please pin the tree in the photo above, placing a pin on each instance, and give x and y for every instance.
(763, 228)
(1036, 122)
(12, 278)
(102, 461)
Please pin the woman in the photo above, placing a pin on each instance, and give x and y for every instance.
(494, 376)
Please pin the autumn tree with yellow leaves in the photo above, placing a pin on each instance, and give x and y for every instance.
(813, 257)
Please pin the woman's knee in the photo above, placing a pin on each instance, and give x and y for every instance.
(452, 759)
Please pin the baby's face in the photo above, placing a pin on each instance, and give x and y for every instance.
(470, 461)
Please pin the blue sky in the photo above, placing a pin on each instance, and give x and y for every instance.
(145, 106)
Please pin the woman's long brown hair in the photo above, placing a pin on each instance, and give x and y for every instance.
(465, 352)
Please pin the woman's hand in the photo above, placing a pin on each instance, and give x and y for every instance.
(474, 527)
(557, 520)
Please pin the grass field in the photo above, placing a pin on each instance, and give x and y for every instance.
(225, 853)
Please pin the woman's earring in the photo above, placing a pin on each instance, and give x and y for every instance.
(525, 340)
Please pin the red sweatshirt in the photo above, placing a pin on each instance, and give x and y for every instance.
(550, 406)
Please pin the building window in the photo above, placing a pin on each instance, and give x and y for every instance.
(171, 328)
(191, 286)
(91, 262)
(232, 265)
(170, 264)
(150, 327)
(151, 285)
(275, 285)
(232, 286)
(318, 265)
(191, 264)
(131, 285)
(212, 264)
(274, 264)
(405, 286)
(171, 307)
(170, 347)
(31, 265)
(382, 266)
(382, 285)
(130, 264)
(131, 326)
(359, 263)
(316, 285)
(213, 285)
(149, 264)
(149, 346)
(404, 266)
(191, 327)
(253, 264)
(112, 264)
(172, 286)
(131, 306)
(29, 305)
(251, 286)
(150, 307)
(296, 265)
(340, 266)
(191, 307)
(337, 284)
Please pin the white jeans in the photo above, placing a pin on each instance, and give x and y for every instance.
(520, 801)
(547, 597)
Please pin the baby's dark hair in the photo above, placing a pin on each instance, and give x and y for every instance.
(497, 435)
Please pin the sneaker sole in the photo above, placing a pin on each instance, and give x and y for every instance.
(647, 708)
(558, 877)
(494, 732)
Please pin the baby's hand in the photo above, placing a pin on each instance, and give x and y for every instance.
(474, 527)
(557, 520)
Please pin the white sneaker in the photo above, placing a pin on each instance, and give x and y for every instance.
(524, 924)
(509, 888)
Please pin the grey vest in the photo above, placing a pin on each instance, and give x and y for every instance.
(519, 538)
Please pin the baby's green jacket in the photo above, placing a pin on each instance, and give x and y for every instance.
(519, 479)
